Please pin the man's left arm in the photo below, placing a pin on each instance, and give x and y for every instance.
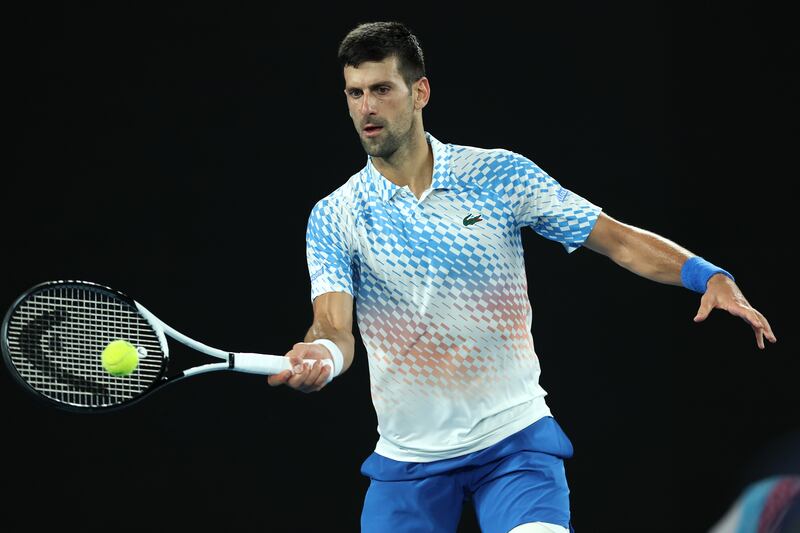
(659, 259)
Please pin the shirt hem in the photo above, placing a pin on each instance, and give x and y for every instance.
(386, 449)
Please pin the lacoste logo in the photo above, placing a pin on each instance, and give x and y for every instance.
(470, 221)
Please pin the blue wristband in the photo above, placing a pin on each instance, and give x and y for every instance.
(696, 272)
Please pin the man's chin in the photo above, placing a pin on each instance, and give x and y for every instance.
(372, 147)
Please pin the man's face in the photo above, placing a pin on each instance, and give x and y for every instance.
(380, 104)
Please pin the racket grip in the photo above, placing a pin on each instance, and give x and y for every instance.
(256, 363)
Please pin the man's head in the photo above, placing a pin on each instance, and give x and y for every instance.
(376, 41)
(385, 85)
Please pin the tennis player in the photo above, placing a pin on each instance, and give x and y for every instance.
(426, 240)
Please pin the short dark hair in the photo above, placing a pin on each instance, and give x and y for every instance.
(375, 41)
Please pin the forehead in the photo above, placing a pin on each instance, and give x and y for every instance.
(370, 72)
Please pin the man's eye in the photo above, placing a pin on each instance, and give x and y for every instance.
(354, 93)
(383, 90)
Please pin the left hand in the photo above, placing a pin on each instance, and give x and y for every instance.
(723, 293)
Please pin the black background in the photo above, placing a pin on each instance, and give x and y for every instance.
(174, 153)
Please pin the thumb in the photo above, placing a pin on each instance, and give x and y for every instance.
(703, 311)
(296, 356)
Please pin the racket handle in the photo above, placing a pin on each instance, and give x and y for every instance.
(257, 363)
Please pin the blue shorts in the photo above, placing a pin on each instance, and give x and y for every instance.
(518, 480)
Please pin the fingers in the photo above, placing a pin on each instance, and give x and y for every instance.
(317, 377)
(743, 310)
(311, 378)
(303, 376)
(759, 337)
(762, 329)
(758, 328)
(279, 379)
(767, 328)
(757, 321)
(322, 380)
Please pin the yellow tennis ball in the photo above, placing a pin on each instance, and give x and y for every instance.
(120, 358)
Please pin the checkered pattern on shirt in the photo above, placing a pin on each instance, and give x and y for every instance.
(443, 307)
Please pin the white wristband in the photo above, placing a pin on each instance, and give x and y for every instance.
(336, 355)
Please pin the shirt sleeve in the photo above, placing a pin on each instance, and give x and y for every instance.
(328, 249)
(549, 209)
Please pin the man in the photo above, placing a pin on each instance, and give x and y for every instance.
(426, 238)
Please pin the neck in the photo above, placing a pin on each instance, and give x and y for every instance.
(411, 164)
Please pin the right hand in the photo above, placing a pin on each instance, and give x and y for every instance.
(303, 377)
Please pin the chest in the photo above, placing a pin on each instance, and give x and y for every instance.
(448, 233)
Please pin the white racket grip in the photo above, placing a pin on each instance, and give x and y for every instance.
(257, 363)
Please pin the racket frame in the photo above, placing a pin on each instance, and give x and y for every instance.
(252, 363)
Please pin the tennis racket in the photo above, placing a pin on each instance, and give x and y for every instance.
(54, 333)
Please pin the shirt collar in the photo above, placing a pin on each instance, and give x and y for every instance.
(441, 179)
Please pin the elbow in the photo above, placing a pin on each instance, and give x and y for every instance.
(332, 325)
(623, 247)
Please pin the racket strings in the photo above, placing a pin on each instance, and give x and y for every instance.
(56, 337)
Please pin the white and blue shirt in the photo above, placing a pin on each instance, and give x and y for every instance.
(441, 293)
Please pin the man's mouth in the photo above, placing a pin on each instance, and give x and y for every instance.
(371, 130)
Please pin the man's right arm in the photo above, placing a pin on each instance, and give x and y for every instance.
(333, 320)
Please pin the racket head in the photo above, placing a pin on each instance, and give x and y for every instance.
(53, 336)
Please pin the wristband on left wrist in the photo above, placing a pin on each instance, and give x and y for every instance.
(696, 272)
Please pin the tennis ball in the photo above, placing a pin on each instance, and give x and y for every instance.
(120, 358)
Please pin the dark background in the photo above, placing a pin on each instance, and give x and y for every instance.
(174, 153)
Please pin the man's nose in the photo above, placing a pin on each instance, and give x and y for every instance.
(368, 103)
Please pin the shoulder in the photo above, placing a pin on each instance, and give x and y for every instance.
(490, 167)
(466, 158)
(344, 200)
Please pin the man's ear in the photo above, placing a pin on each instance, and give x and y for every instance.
(422, 92)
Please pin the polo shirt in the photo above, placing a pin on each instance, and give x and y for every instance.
(441, 293)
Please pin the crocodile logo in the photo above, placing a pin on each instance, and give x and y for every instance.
(470, 220)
